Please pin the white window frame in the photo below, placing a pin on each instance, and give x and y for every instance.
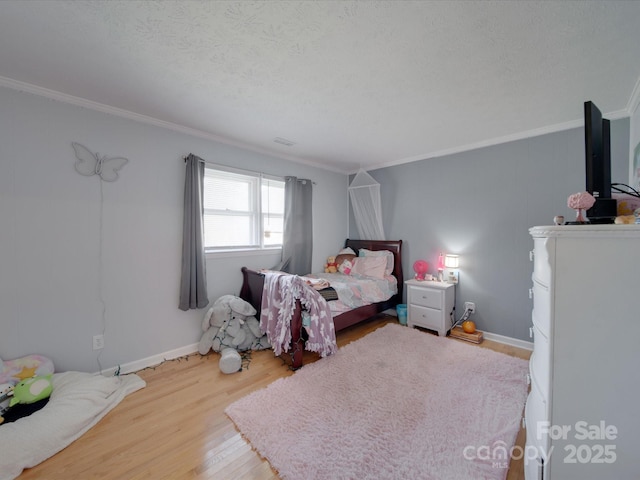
(256, 213)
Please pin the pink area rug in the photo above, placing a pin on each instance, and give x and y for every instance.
(396, 404)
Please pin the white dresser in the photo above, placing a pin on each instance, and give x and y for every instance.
(430, 305)
(582, 416)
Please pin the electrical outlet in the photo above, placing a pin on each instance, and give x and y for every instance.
(470, 306)
(98, 342)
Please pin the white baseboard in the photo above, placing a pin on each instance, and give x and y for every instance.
(150, 361)
(514, 342)
(189, 349)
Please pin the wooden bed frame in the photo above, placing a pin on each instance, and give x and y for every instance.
(253, 283)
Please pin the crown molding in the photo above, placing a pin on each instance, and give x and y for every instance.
(631, 107)
(119, 112)
(485, 143)
(558, 127)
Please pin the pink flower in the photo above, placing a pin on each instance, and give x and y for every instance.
(582, 200)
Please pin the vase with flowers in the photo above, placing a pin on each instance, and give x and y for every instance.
(581, 202)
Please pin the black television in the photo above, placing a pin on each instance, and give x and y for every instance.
(597, 142)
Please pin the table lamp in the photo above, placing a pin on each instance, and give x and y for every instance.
(452, 262)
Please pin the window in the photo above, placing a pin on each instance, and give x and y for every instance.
(242, 210)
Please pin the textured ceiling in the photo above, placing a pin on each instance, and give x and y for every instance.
(353, 84)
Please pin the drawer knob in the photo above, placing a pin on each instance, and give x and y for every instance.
(524, 422)
(531, 254)
(528, 379)
(530, 293)
(530, 332)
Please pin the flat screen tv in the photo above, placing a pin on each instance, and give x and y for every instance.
(597, 142)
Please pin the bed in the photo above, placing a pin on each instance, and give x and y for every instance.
(253, 284)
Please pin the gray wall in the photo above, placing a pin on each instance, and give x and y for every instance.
(634, 143)
(480, 204)
(50, 234)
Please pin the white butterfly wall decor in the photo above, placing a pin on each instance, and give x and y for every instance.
(90, 163)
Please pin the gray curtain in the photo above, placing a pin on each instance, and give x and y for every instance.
(193, 285)
(297, 243)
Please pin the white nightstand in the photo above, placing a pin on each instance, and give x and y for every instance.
(430, 305)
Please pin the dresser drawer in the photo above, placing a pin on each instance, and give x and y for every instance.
(425, 297)
(541, 314)
(533, 466)
(424, 317)
(539, 369)
(535, 414)
(541, 262)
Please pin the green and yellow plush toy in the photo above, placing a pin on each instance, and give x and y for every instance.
(32, 390)
(28, 391)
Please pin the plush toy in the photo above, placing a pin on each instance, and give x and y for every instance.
(12, 371)
(625, 220)
(246, 334)
(32, 390)
(628, 219)
(230, 361)
(331, 266)
(231, 323)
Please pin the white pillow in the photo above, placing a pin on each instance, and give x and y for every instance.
(369, 266)
(347, 250)
(363, 252)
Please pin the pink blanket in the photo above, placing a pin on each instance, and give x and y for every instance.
(278, 304)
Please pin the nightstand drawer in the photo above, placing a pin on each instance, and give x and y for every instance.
(425, 297)
(425, 317)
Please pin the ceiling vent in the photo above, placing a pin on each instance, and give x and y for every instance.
(284, 141)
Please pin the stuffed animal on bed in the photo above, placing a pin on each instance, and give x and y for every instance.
(331, 266)
(231, 323)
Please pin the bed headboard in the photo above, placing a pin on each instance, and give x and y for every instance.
(394, 246)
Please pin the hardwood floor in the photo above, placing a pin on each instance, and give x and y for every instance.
(175, 428)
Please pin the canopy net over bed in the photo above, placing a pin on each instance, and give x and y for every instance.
(364, 193)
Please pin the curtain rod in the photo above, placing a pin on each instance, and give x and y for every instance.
(206, 162)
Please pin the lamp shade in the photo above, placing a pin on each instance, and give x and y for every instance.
(451, 261)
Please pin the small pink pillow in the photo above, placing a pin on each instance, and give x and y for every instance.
(345, 267)
(369, 266)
